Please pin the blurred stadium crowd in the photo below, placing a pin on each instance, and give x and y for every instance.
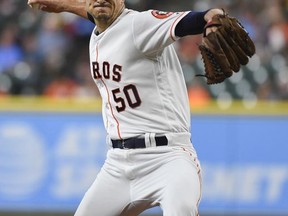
(47, 54)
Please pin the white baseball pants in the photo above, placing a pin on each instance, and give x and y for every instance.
(134, 180)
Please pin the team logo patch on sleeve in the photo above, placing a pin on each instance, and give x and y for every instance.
(161, 14)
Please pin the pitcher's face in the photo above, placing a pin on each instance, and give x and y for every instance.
(104, 9)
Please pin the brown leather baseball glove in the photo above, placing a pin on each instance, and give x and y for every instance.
(225, 49)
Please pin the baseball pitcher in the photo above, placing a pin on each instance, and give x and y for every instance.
(151, 160)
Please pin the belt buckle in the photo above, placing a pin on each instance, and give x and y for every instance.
(123, 144)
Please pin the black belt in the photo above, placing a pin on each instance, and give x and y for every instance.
(133, 143)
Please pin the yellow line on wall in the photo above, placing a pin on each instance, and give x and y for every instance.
(88, 105)
(45, 104)
(277, 108)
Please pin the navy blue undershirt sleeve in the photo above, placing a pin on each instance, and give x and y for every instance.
(193, 23)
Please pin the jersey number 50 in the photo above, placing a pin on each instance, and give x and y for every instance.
(131, 96)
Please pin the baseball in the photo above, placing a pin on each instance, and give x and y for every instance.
(35, 6)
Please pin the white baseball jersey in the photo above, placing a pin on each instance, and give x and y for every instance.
(140, 95)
